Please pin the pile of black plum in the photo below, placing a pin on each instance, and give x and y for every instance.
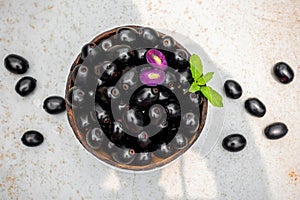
(119, 112)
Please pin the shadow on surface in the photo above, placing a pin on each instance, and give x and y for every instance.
(214, 173)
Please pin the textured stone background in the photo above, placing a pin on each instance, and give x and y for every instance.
(243, 38)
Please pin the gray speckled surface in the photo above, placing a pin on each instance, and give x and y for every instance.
(244, 38)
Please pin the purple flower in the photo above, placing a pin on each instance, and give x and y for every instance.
(152, 77)
(156, 59)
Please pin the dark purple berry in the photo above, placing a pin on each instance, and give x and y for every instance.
(54, 105)
(95, 138)
(16, 64)
(173, 109)
(143, 159)
(167, 42)
(181, 55)
(102, 115)
(129, 79)
(170, 78)
(117, 132)
(233, 89)
(89, 49)
(124, 156)
(134, 120)
(83, 121)
(106, 44)
(75, 97)
(194, 100)
(190, 122)
(180, 141)
(149, 34)
(80, 75)
(32, 138)
(234, 142)
(121, 53)
(110, 72)
(283, 73)
(113, 92)
(144, 96)
(276, 130)
(255, 107)
(25, 86)
(164, 150)
(140, 56)
(157, 114)
(126, 35)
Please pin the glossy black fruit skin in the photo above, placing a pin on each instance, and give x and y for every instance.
(143, 158)
(255, 107)
(276, 130)
(149, 35)
(283, 73)
(54, 105)
(95, 138)
(124, 156)
(164, 150)
(126, 35)
(75, 97)
(89, 49)
(25, 86)
(144, 96)
(233, 89)
(16, 64)
(180, 141)
(167, 42)
(120, 54)
(234, 142)
(32, 138)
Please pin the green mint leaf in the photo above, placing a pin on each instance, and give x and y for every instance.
(196, 66)
(207, 77)
(201, 81)
(194, 87)
(213, 96)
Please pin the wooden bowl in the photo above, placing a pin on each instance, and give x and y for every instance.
(102, 153)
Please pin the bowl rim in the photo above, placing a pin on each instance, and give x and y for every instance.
(109, 162)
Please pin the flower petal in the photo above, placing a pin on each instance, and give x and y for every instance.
(156, 59)
(152, 77)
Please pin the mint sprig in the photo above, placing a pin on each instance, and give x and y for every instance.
(200, 81)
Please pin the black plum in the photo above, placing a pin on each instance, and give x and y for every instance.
(95, 138)
(143, 158)
(255, 107)
(234, 142)
(283, 72)
(164, 150)
(90, 51)
(124, 156)
(32, 138)
(233, 89)
(54, 105)
(75, 97)
(190, 122)
(144, 96)
(276, 130)
(16, 64)
(167, 43)
(180, 141)
(149, 37)
(25, 86)
(120, 53)
(126, 35)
